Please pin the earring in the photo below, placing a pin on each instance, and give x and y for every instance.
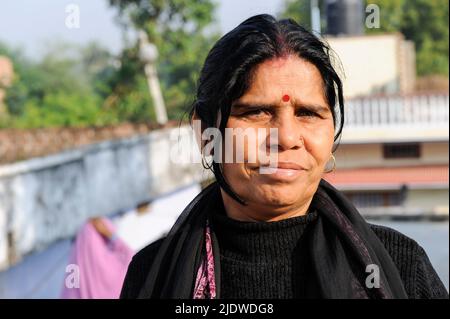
(334, 165)
(205, 166)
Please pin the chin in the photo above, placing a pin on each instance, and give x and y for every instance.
(277, 195)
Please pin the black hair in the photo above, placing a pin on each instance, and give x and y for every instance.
(227, 71)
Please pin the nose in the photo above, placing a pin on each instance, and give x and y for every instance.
(289, 132)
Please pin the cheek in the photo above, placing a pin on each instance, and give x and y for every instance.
(245, 143)
(319, 145)
(236, 171)
(236, 176)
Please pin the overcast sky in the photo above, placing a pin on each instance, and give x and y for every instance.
(32, 24)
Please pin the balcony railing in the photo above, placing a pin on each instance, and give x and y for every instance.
(414, 111)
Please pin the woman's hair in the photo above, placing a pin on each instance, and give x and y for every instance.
(227, 72)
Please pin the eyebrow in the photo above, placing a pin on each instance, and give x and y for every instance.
(311, 107)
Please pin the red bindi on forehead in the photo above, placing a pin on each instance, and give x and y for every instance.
(286, 98)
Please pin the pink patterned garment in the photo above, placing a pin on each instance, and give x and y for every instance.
(205, 283)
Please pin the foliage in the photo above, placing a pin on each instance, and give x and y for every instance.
(424, 22)
(178, 28)
(51, 92)
(86, 86)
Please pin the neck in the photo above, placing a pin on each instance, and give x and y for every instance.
(262, 212)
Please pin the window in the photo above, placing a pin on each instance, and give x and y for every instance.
(375, 198)
(401, 150)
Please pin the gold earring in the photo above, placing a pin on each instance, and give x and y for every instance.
(334, 164)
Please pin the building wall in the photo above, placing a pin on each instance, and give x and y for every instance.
(43, 273)
(435, 152)
(371, 155)
(429, 199)
(375, 64)
(358, 155)
(420, 199)
(46, 199)
(407, 62)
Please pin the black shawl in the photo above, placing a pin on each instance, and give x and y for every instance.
(341, 247)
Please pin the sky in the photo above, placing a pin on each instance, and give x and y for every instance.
(34, 24)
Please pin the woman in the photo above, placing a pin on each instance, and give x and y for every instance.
(286, 233)
(101, 257)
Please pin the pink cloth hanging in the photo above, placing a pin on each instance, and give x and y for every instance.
(102, 264)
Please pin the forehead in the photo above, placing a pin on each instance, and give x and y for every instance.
(290, 75)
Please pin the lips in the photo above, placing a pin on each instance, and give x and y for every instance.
(283, 165)
(282, 171)
(289, 165)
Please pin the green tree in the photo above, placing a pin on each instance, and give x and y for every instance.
(60, 109)
(179, 30)
(300, 11)
(58, 90)
(80, 86)
(425, 23)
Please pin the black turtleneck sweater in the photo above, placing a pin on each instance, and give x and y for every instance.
(265, 260)
(257, 258)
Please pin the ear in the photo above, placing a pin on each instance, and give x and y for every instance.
(198, 127)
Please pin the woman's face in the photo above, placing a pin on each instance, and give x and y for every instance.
(286, 94)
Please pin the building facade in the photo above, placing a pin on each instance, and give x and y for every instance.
(393, 155)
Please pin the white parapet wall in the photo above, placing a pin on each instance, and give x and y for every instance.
(48, 198)
(396, 118)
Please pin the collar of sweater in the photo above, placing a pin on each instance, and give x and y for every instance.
(259, 242)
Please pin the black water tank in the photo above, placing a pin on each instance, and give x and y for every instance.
(345, 17)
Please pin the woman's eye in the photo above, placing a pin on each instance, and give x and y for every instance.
(306, 113)
(256, 112)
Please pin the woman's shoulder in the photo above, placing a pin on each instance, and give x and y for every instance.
(138, 270)
(395, 241)
(418, 275)
(146, 254)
